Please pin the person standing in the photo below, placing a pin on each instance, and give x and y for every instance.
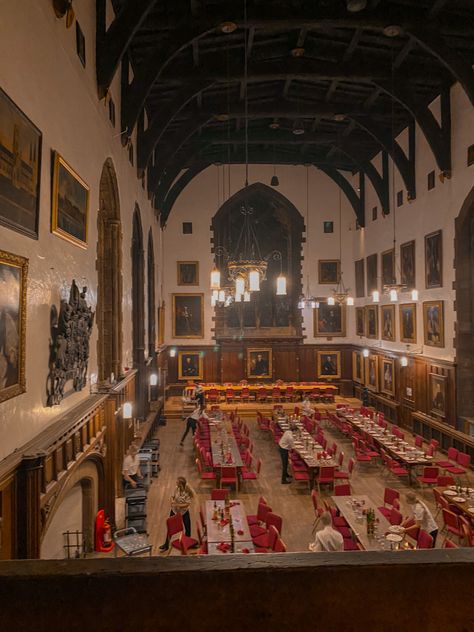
(191, 422)
(181, 500)
(285, 444)
(200, 396)
(131, 468)
(422, 516)
(328, 538)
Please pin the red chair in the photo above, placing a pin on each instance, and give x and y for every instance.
(342, 490)
(340, 474)
(229, 395)
(318, 511)
(205, 476)
(418, 441)
(452, 524)
(289, 393)
(449, 544)
(270, 520)
(276, 394)
(444, 481)
(272, 538)
(175, 526)
(424, 541)
(213, 396)
(315, 395)
(389, 496)
(229, 477)
(467, 531)
(396, 469)
(463, 464)
(395, 517)
(261, 395)
(245, 395)
(300, 473)
(220, 494)
(280, 546)
(412, 529)
(452, 456)
(325, 476)
(248, 475)
(258, 529)
(429, 477)
(256, 518)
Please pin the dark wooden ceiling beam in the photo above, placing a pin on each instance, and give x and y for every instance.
(111, 44)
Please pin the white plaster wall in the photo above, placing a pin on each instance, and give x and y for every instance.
(430, 211)
(67, 518)
(201, 199)
(40, 71)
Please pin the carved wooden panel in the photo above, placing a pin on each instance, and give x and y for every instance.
(59, 457)
(48, 470)
(69, 451)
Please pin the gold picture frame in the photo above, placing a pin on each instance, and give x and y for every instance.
(259, 362)
(329, 365)
(388, 326)
(13, 287)
(372, 321)
(69, 203)
(407, 319)
(188, 315)
(188, 273)
(371, 372)
(388, 376)
(433, 323)
(190, 365)
(358, 367)
(329, 271)
(437, 393)
(329, 320)
(360, 321)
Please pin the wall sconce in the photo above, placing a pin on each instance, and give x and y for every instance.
(127, 410)
(404, 361)
(365, 353)
(172, 353)
(153, 379)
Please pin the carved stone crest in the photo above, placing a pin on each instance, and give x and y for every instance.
(69, 344)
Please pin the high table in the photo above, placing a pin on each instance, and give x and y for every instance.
(357, 521)
(300, 388)
(219, 533)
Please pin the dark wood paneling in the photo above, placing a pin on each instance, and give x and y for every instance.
(285, 365)
(233, 364)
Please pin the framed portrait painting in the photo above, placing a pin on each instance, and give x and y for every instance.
(407, 316)
(388, 322)
(388, 376)
(330, 320)
(329, 271)
(437, 394)
(259, 362)
(360, 321)
(329, 364)
(360, 278)
(372, 273)
(371, 321)
(70, 203)
(190, 365)
(358, 367)
(20, 169)
(408, 264)
(434, 260)
(388, 267)
(188, 316)
(433, 323)
(188, 272)
(13, 278)
(371, 370)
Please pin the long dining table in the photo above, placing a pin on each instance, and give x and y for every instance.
(219, 520)
(461, 497)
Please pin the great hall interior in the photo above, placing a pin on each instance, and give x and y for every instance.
(236, 314)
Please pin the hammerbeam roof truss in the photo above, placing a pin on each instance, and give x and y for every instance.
(353, 89)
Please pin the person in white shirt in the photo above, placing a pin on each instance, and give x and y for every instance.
(328, 538)
(191, 422)
(285, 444)
(131, 468)
(422, 516)
(306, 407)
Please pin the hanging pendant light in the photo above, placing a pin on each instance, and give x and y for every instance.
(215, 278)
(274, 182)
(281, 285)
(375, 296)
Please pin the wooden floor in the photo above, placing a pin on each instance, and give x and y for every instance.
(292, 502)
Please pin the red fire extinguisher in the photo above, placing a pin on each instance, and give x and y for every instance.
(103, 532)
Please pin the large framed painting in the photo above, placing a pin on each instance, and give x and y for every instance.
(371, 371)
(70, 203)
(388, 376)
(434, 260)
(360, 278)
(329, 271)
(388, 322)
(188, 272)
(13, 279)
(433, 323)
(188, 315)
(330, 320)
(190, 365)
(360, 321)
(358, 367)
(408, 264)
(388, 267)
(259, 362)
(372, 273)
(329, 364)
(407, 317)
(437, 394)
(371, 321)
(20, 169)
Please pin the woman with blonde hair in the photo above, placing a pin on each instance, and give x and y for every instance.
(181, 500)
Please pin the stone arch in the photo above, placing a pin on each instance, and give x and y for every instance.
(138, 309)
(464, 284)
(109, 272)
(151, 295)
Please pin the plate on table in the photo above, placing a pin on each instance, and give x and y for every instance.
(471, 510)
(393, 537)
(427, 456)
(397, 529)
(453, 487)
(459, 499)
(450, 492)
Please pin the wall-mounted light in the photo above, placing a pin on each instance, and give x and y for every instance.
(375, 296)
(93, 379)
(153, 379)
(172, 353)
(365, 353)
(127, 410)
(404, 361)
